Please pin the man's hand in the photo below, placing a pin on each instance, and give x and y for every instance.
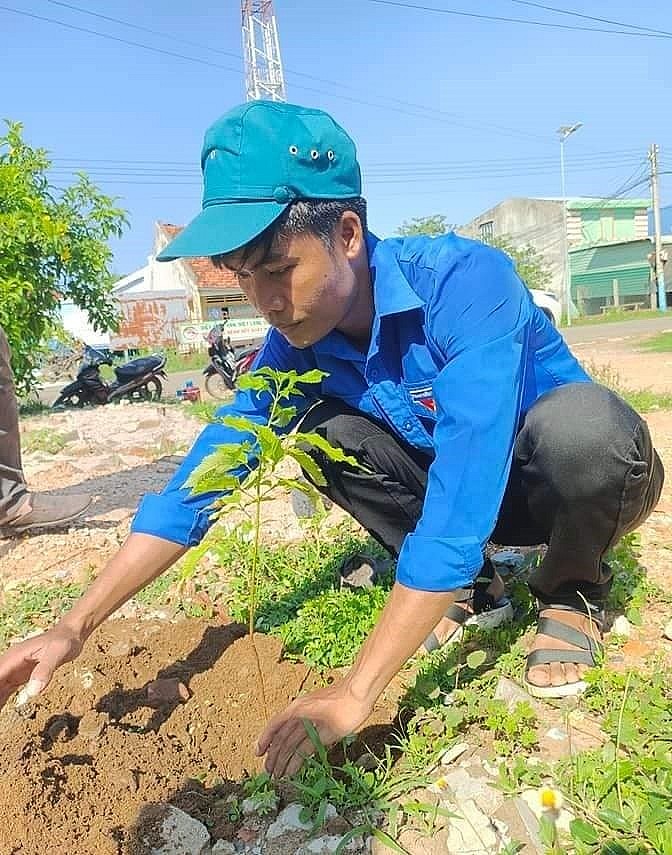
(35, 660)
(333, 711)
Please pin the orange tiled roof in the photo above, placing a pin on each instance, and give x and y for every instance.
(207, 275)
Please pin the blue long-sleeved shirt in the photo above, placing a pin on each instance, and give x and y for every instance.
(459, 353)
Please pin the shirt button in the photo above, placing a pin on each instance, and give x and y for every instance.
(374, 374)
(407, 426)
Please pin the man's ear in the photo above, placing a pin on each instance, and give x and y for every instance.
(350, 235)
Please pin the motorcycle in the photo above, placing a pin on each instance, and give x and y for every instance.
(226, 365)
(138, 380)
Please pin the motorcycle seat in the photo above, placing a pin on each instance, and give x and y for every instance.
(138, 367)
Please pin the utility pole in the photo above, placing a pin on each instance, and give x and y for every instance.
(263, 65)
(565, 131)
(658, 244)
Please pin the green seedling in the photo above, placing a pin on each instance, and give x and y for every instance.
(246, 474)
(260, 790)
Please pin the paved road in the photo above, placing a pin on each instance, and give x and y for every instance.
(619, 329)
(573, 335)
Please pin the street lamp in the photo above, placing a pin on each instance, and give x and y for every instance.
(565, 131)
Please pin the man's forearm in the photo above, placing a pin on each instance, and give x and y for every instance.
(140, 560)
(405, 622)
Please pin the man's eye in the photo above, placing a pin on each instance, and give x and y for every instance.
(279, 271)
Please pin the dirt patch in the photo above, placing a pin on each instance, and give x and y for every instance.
(636, 367)
(77, 767)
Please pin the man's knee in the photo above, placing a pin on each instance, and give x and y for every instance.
(586, 440)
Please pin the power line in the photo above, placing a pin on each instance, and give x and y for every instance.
(142, 29)
(184, 180)
(428, 113)
(528, 21)
(590, 17)
(598, 157)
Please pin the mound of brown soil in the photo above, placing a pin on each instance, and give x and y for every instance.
(106, 739)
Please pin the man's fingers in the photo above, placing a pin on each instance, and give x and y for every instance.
(274, 725)
(31, 690)
(283, 744)
(296, 760)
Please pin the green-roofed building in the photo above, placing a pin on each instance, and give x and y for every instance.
(609, 253)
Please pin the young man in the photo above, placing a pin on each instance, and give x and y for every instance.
(470, 415)
(21, 510)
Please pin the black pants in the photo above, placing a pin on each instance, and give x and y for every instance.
(584, 474)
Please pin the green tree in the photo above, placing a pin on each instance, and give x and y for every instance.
(53, 246)
(436, 224)
(530, 264)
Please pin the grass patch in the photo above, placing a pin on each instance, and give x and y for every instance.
(642, 400)
(194, 361)
(32, 407)
(29, 607)
(658, 344)
(617, 316)
(43, 439)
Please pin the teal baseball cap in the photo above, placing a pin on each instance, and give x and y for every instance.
(256, 160)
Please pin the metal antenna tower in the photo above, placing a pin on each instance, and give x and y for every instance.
(263, 66)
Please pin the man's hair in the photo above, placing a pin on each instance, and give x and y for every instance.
(317, 217)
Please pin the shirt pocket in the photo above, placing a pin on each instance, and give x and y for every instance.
(419, 373)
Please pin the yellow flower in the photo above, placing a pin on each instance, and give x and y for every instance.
(550, 798)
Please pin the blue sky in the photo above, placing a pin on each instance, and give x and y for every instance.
(450, 113)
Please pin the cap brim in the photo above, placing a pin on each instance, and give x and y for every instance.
(222, 228)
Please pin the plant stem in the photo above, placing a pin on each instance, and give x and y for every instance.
(618, 741)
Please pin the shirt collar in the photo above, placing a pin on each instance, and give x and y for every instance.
(392, 292)
(392, 295)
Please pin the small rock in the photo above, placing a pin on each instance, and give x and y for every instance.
(325, 845)
(622, 626)
(223, 847)
(92, 724)
(667, 632)
(289, 820)
(70, 436)
(167, 690)
(247, 835)
(86, 678)
(511, 693)
(339, 826)
(471, 831)
(180, 834)
(119, 648)
(451, 754)
(149, 422)
(79, 447)
(248, 806)
(128, 780)
(635, 649)
(465, 788)
(557, 734)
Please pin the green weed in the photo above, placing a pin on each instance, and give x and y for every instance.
(329, 629)
(43, 439)
(261, 792)
(642, 400)
(30, 607)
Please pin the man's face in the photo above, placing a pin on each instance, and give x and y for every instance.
(302, 288)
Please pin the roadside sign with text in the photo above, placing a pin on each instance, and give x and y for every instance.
(193, 334)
